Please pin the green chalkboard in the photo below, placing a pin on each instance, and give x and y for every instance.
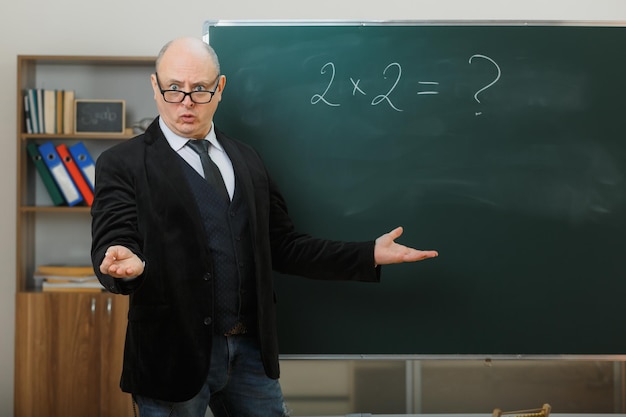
(501, 146)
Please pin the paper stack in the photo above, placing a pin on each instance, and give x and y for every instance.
(68, 278)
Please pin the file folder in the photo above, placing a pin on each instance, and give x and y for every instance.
(75, 173)
(60, 174)
(85, 163)
(44, 174)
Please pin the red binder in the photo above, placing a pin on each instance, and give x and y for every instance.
(75, 173)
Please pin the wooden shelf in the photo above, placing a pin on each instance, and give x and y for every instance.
(55, 209)
(69, 341)
(90, 77)
(82, 136)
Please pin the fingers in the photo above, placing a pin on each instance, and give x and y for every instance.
(108, 260)
(396, 233)
(110, 256)
(390, 237)
(387, 251)
(426, 254)
(120, 262)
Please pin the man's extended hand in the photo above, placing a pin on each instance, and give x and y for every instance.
(387, 251)
(121, 262)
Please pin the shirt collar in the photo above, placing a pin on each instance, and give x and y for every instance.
(178, 142)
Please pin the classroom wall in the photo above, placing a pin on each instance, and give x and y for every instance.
(140, 27)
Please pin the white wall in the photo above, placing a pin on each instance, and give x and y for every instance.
(140, 27)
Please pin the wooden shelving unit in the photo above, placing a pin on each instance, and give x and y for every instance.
(69, 345)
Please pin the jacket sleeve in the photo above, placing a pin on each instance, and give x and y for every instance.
(114, 216)
(302, 254)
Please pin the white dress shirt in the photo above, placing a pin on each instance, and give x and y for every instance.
(216, 152)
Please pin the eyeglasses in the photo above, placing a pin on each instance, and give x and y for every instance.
(178, 96)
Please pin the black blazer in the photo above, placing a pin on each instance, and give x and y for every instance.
(143, 201)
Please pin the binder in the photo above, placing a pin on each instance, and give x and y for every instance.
(75, 173)
(60, 174)
(44, 174)
(85, 163)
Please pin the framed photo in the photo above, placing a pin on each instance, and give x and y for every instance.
(99, 116)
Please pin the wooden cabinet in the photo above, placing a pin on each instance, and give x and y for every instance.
(68, 351)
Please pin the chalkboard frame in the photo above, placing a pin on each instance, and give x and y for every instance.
(588, 356)
(207, 24)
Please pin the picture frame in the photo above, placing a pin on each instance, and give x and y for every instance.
(99, 116)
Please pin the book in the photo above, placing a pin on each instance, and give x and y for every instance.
(45, 175)
(49, 112)
(68, 112)
(60, 279)
(39, 110)
(58, 105)
(66, 278)
(27, 123)
(85, 163)
(91, 286)
(60, 174)
(76, 174)
(32, 106)
(66, 270)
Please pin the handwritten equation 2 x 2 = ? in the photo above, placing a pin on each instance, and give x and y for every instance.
(386, 98)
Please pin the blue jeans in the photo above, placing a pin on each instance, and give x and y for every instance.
(235, 387)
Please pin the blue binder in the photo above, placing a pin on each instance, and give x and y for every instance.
(60, 174)
(85, 163)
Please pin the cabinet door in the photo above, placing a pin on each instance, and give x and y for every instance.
(114, 312)
(57, 355)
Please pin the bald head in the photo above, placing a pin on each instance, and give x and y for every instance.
(188, 46)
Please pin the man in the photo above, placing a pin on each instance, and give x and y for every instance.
(197, 260)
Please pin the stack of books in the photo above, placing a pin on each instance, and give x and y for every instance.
(49, 111)
(68, 172)
(67, 278)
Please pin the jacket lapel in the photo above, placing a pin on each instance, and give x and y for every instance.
(242, 175)
(165, 175)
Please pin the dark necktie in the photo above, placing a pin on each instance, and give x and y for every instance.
(211, 172)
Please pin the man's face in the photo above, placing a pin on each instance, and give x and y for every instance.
(187, 68)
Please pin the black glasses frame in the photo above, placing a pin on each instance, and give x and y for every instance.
(187, 93)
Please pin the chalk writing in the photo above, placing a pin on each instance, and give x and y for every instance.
(379, 98)
(317, 97)
(427, 83)
(105, 115)
(491, 83)
(424, 88)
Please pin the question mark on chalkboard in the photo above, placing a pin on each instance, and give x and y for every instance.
(491, 83)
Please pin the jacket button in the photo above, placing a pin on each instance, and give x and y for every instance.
(208, 321)
(207, 276)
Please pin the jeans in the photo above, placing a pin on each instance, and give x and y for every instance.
(235, 387)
